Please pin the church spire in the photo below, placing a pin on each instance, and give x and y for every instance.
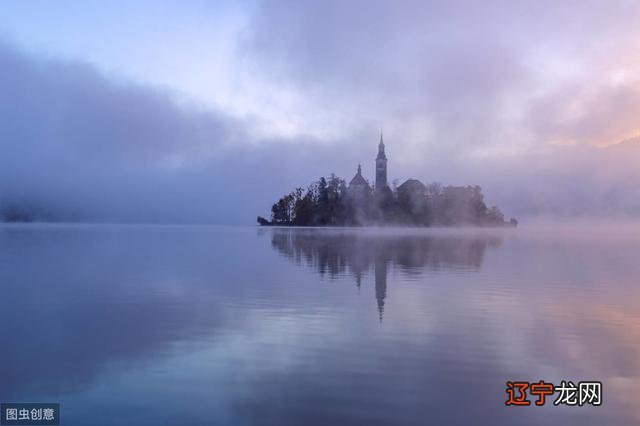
(381, 154)
(359, 170)
(381, 167)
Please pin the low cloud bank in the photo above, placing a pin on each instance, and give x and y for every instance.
(79, 146)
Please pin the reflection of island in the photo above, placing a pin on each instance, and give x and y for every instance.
(339, 253)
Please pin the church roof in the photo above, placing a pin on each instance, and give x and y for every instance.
(412, 185)
(358, 179)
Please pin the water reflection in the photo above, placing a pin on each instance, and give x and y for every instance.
(356, 252)
(77, 301)
(283, 328)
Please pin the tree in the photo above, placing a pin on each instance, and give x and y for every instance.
(304, 208)
(328, 202)
(283, 211)
(495, 216)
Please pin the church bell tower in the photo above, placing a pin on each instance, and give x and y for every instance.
(381, 167)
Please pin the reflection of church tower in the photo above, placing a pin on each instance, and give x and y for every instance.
(381, 167)
(358, 280)
(380, 273)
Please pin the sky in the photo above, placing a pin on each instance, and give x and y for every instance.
(208, 111)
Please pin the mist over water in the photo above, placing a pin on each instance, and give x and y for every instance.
(316, 326)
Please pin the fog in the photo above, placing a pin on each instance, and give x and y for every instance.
(535, 102)
(77, 145)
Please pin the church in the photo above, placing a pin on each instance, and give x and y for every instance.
(330, 202)
(359, 188)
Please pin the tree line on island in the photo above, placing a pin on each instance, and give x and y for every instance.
(329, 202)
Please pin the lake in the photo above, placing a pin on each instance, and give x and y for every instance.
(196, 325)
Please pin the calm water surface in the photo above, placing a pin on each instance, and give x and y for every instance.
(153, 325)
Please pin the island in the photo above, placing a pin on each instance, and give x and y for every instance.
(331, 202)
